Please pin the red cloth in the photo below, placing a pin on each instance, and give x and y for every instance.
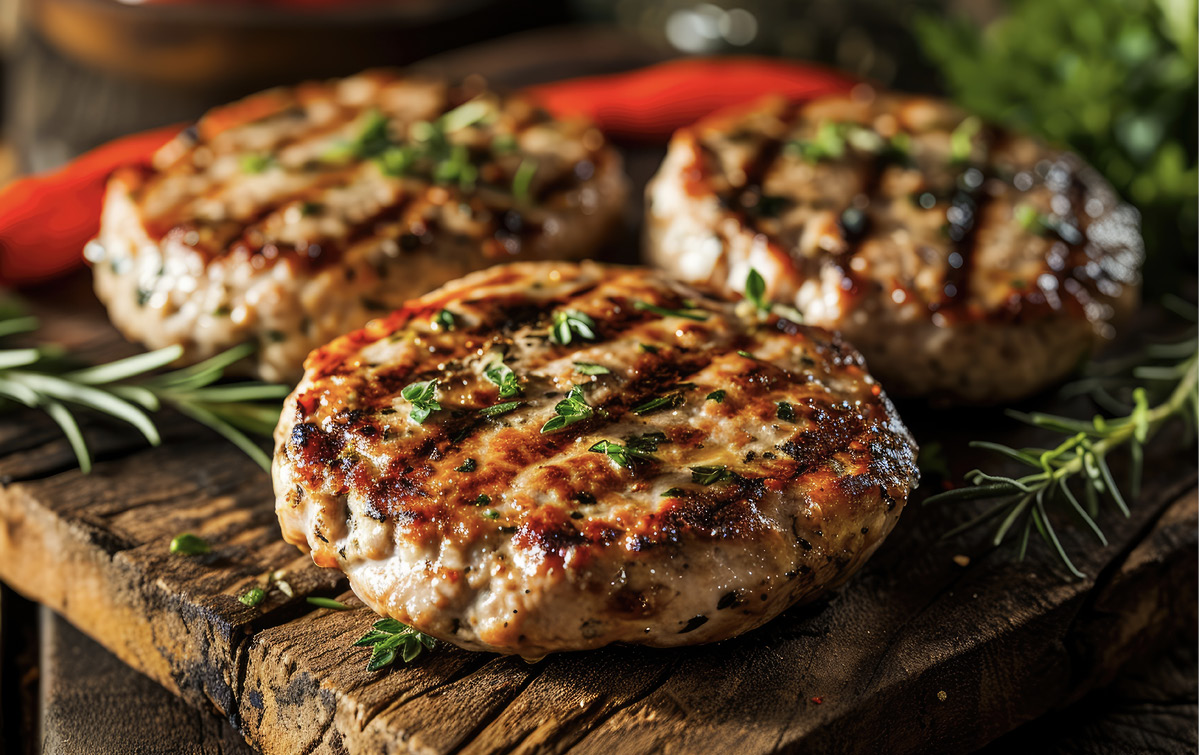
(46, 219)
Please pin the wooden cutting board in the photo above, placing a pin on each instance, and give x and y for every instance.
(917, 653)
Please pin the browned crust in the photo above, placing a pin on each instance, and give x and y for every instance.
(1076, 273)
(847, 442)
(412, 218)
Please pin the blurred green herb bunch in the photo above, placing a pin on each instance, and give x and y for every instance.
(1113, 79)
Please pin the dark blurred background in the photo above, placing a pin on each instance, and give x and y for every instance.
(80, 72)
(1114, 79)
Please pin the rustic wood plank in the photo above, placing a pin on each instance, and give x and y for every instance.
(93, 704)
(1003, 640)
(1149, 709)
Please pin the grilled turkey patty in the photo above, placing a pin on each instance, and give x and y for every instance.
(968, 263)
(550, 456)
(298, 214)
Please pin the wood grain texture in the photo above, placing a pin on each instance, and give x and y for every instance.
(862, 670)
(87, 696)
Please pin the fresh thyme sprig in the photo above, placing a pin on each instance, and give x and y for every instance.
(756, 289)
(637, 448)
(389, 638)
(574, 408)
(569, 323)
(502, 375)
(755, 293)
(1079, 461)
(423, 397)
(124, 389)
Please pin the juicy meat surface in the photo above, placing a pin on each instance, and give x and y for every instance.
(553, 456)
(967, 263)
(298, 214)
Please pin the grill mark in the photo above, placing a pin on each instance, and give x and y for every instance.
(390, 213)
(735, 205)
(167, 223)
(173, 218)
(216, 190)
(658, 379)
(977, 200)
(725, 511)
(872, 175)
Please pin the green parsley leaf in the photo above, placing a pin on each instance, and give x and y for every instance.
(492, 514)
(674, 493)
(256, 163)
(746, 354)
(421, 396)
(523, 180)
(669, 401)
(188, 544)
(253, 596)
(588, 368)
(636, 448)
(469, 465)
(482, 500)
(497, 410)
(647, 348)
(390, 638)
(717, 395)
(574, 408)
(569, 323)
(710, 475)
(327, 603)
(444, 320)
(962, 139)
(502, 144)
(500, 374)
(828, 143)
(467, 114)
(372, 140)
(396, 160)
(756, 287)
(785, 411)
(700, 315)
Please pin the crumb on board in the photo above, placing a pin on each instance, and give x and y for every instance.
(941, 695)
(962, 560)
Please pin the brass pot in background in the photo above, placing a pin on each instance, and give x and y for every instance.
(81, 72)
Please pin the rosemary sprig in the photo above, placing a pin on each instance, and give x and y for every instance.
(1023, 504)
(126, 390)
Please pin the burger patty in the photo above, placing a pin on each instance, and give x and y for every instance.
(968, 263)
(299, 214)
(554, 456)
